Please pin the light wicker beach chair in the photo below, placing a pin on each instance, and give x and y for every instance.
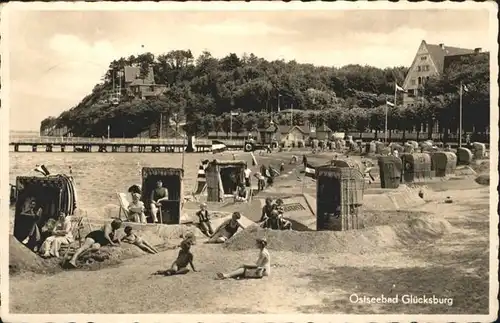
(78, 224)
(124, 199)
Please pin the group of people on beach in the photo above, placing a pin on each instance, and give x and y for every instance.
(108, 236)
(48, 238)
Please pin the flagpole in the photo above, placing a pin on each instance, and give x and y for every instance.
(291, 116)
(395, 102)
(460, 125)
(231, 124)
(183, 149)
(386, 109)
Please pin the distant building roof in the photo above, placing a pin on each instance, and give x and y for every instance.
(448, 60)
(133, 76)
(439, 52)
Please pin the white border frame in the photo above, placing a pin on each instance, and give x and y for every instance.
(237, 6)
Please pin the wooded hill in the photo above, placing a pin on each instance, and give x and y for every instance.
(204, 90)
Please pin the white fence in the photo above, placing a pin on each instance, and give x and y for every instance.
(112, 141)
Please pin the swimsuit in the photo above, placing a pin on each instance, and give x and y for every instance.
(231, 230)
(98, 237)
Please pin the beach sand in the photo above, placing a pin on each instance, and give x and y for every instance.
(441, 251)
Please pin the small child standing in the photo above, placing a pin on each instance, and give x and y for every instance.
(203, 216)
(179, 266)
(132, 238)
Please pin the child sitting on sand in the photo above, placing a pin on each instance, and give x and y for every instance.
(132, 238)
(261, 268)
(204, 218)
(179, 266)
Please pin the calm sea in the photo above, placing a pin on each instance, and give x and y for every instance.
(99, 176)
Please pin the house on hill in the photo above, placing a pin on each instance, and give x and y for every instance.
(291, 135)
(139, 87)
(430, 60)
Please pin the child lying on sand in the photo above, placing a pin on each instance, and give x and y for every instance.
(132, 238)
(179, 266)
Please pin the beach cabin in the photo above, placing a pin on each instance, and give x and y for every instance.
(270, 135)
(339, 196)
(47, 196)
(464, 156)
(223, 177)
(416, 167)
(444, 163)
(390, 168)
(172, 179)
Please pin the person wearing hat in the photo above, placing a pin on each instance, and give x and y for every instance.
(261, 268)
(204, 218)
(136, 209)
(158, 195)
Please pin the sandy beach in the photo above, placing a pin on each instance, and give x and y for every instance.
(433, 249)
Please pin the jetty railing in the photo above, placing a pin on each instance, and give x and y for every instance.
(112, 141)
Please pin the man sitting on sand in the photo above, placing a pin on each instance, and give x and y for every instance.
(179, 266)
(98, 238)
(132, 238)
(261, 268)
(204, 218)
(241, 194)
(231, 228)
(158, 195)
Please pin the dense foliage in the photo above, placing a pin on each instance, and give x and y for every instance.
(204, 90)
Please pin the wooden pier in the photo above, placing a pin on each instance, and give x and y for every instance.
(114, 145)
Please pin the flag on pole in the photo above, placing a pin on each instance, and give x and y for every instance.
(389, 103)
(201, 170)
(464, 87)
(310, 171)
(399, 88)
(234, 114)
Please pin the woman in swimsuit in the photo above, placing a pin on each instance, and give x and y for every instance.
(261, 268)
(95, 239)
(231, 228)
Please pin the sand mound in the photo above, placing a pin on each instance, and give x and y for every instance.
(22, 259)
(404, 197)
(483, 179)
(422, 229)
(110, 256)
(482, 166)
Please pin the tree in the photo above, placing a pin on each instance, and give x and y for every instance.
(203, 91)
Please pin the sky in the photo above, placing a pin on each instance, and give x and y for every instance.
(56, 57)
